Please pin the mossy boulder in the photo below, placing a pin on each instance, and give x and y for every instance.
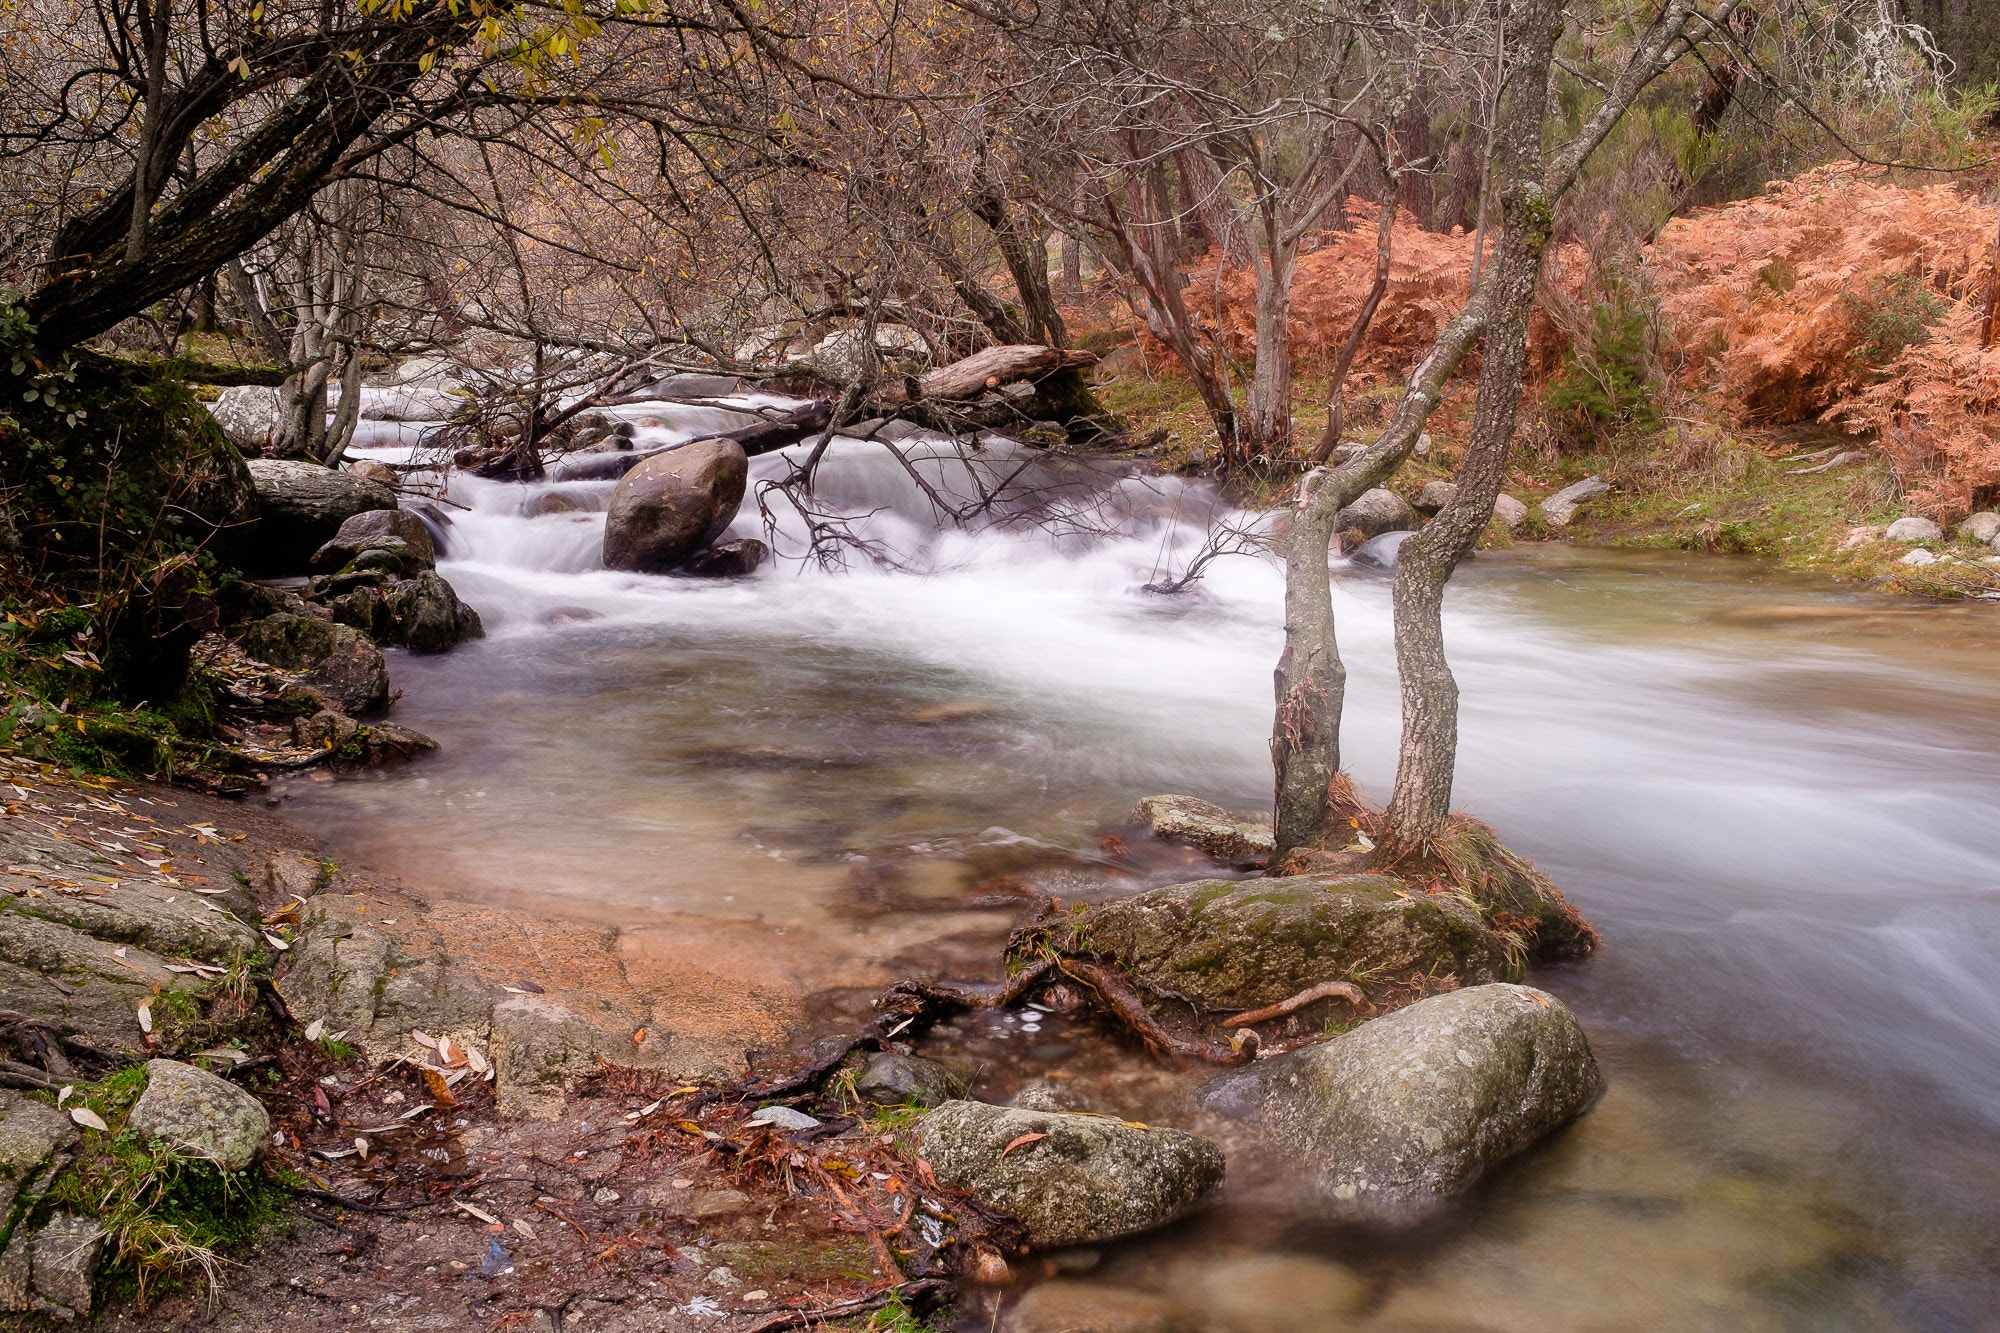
(337, 659)
(1390, 1121)
(1239, 944)
(422, 614)
(196, 1113)
(1069, 1179)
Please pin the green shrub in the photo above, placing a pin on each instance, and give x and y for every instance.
(1604, 389)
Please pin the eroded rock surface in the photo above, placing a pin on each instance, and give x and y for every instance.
(1390, 1121)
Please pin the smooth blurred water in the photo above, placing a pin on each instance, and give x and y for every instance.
(1777, 800)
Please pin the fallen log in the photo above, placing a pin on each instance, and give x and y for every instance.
(994, 366)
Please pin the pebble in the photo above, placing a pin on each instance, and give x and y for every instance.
(606, 1195)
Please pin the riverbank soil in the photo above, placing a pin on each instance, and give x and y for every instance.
(622, 1199)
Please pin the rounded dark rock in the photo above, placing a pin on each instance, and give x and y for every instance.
(673, 505)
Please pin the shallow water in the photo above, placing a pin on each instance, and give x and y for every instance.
(1775, 800)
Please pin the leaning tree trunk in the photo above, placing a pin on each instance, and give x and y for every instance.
(1428, 752)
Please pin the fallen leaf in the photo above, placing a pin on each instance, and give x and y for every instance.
(439, 1088)
(1021, 1141)
(522, 1226)
(315, 1029)
(361, 1146)
(63, 1096)
(422, 1038)
(319, 1099)
(639, 1037)
(475, 1211)
(146, 1019)
(88, 1118)
(276, 943)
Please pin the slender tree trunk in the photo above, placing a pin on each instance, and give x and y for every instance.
(1311, 681)
(1072, 265)
(1270, 401)
(1428, 753)
(1027, 258)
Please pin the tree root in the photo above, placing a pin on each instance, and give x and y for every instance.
(1325, 990)
(1118, 998)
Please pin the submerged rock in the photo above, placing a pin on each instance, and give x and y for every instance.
(1561, 507)
(193, 1111)
(1376, 512)
(889, 1078)
(674, 504)
(1073, 1179)
(1206, 827)
(337, 659)
(301, 507)
(1388, 1122)
(1240, 944)
(1069, 1306)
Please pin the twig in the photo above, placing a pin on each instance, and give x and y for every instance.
(845, 1309)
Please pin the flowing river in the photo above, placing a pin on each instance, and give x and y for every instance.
(1779, 802)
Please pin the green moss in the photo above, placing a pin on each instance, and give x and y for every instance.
(169, 1218)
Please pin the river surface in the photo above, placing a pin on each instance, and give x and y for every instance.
(1779, 802)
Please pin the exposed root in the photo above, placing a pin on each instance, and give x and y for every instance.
(1118, 998)
(1326, 990)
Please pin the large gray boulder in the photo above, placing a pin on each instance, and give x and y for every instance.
(194, 1112)
(392, 539)
(339, 660)
(301, 507)
(674, 504)
(1390, 1121)
(1561, 507)
(1913, 529)
(1376, 512)
(1206, 827)
(1085, 1179)
(1240, 944)
(249, 415)
(1510, 511)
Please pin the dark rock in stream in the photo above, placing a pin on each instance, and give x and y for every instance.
(422, 614)
(391, 539)
(1238, 944)
(729, 559)
(1390, 1121)
(1069, 1179)
(674, 504)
